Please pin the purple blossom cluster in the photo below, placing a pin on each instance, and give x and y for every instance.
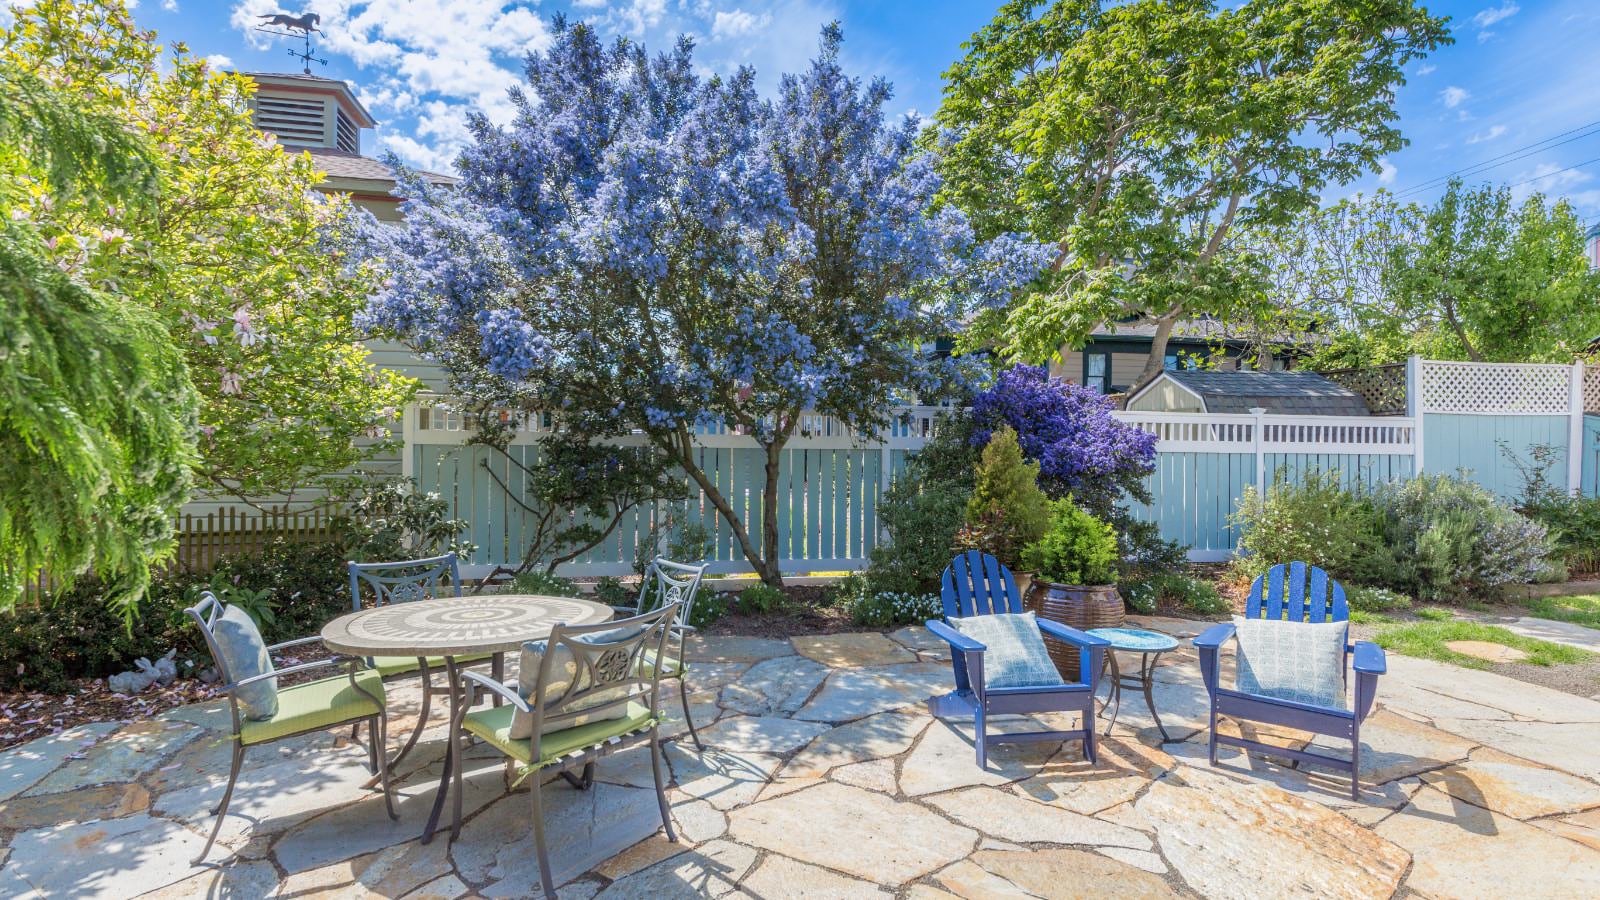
(1069, 431)
(656, 249)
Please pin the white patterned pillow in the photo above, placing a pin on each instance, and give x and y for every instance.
(1014, 652)
(1292, 660)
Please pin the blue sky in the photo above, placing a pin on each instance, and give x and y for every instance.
(1520, 71)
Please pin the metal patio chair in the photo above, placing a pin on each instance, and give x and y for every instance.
(667, 582)
(406, 581)
(607, 669)
(302, 708)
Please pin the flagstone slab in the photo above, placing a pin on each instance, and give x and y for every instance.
(1228, 839)
(698, 821)
(1487, 650)
(1517, 698)
(583, 828)
(1513, 787)
(447, 888)
(1144, 860)
(1009, 817)
(1123, 769)
(1570, 747)
(1064, 874)
(1569, 633)
(708, 676)
(944, 759)
(213, 715)
(875, 737)
(877, 775)
(1462, 850)
(920, 639)
(710, 870)
(644, 854)
(1583, 827)
(383, 873)
(1321, 784)
(230, 878)
(969, 880)
(702, 706)
(775, 686)
(723, 778)
(1394, 746)
(24, 766)
(760, 734)
(122, 755)
(857, 832)
(115, 858)
(781, 878)
(106, 801)
(723, 648)
(853, 649)
(851, 694)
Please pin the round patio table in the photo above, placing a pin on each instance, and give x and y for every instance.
(452, 627)
(1149, 645)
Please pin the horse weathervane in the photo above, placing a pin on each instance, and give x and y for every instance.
(300, 26)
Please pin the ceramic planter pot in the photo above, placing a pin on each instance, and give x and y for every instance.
(1079, 605)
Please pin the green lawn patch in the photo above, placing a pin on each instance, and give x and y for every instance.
(1583, 609)
(1427, 639)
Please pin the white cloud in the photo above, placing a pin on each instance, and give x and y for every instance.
(1386, 172)
(1549, 179)
(1495, 14)
(415, 153)
(219, 61)
(1454, 96)
(169, 5)
(1427, 69)
(1493, 132)
(737, 23)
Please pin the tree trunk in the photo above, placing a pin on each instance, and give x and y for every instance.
(772, 573)
(1460, 332)
(1158, 349)
(681, 449)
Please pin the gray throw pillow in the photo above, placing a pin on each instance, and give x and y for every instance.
(245, 653)
(1295, 661)
(1015, 655)
(563, 668)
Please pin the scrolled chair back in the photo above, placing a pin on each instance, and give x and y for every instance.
(667, 582)
(611, 667)
(406, 580)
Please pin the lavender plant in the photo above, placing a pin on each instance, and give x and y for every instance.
(646, 249)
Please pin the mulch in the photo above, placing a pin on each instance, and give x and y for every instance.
(26, 716)
(805, 613)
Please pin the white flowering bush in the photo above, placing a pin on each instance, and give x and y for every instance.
(882, 609)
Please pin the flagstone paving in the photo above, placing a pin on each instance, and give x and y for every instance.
(825, 776)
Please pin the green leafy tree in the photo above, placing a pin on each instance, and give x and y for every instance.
(97, 415)
(234, 255)
(1474, 276)
(1137, 136)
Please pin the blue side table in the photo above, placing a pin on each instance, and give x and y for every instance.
(1149, 645)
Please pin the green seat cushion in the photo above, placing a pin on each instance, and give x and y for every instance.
(674, 667)
(318, 704)
(493, 726)
(399, 665)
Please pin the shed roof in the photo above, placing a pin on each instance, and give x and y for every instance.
(1286, 393)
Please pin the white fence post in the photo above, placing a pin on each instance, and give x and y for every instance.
(1258, 435)
(1575, 431)
(1414, 410)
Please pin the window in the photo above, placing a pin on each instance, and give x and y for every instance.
(1097, 372)
(1181, 361)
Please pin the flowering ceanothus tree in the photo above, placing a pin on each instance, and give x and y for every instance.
(1081, 448)
(650, 251)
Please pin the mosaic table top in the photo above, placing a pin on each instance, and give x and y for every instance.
(457, 626)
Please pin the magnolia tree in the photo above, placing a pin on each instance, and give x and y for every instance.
(650, 251)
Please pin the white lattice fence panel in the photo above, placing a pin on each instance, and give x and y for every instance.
(1452, 387)
(1196, 431)
(1591, 389)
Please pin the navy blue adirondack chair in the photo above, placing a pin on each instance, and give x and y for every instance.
(976, 584)
(1299, 593)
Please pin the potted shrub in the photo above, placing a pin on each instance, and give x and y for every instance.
(1074, 566)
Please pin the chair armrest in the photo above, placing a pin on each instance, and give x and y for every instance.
(625, 610)
(1209, 644)
(1214, 637)
(1370, 659)
(484, 682)
(317, 639)
(685, 629)
(303, 667)
(954, 638)
(1071, 635)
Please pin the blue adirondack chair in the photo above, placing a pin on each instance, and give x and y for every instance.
(1299, 593)
(976, 584)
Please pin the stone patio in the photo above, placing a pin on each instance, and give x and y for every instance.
(824, 776)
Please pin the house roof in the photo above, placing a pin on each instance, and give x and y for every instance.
(1291, 393)
(344, 164)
